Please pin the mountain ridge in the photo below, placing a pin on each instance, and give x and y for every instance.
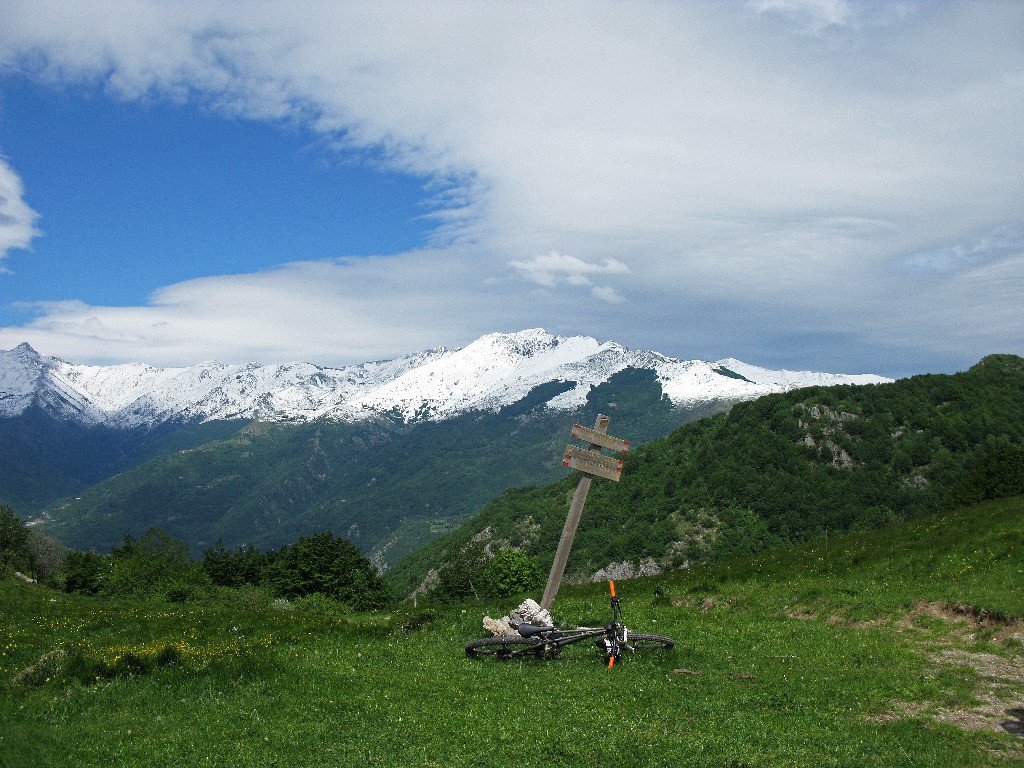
(488, 374)
(786, 468)
(388, 453)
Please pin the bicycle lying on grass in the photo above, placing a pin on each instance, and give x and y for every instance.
(547, 642)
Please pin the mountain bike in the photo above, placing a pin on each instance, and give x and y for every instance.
(547, 642)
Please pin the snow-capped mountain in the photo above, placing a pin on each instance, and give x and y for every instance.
(493, 371)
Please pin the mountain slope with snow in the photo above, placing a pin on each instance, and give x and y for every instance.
(488, 374)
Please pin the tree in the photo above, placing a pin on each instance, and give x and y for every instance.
(460, 576)
(234, 568)
(326, 565)
(156, 565)
(511, 572)
(47, 555)
(996, 472)
(84, 572)
(15, 548)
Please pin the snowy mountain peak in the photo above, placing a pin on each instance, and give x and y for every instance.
(20, 371)
(492, 372)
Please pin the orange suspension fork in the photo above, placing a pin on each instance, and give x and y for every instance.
(611, 588)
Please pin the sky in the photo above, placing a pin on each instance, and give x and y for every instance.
(830, 185)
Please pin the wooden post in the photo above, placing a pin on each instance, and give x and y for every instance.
(571, 522)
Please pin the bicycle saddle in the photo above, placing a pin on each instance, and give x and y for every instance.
(529, 630)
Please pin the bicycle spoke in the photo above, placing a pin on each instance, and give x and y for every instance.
(504, 647)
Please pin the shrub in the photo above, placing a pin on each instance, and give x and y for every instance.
(234, 568)
(187, 590)
(331, 566)
(318, 604)
(472, 574)
(511, 572)
(246, 598)
(996, 471)
(153, 566)
(84, 572)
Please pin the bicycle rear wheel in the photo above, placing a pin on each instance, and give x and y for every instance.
(504, 647)
(641, 641)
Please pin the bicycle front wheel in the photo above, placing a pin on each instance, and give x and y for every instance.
(640, 641)
(504, 647)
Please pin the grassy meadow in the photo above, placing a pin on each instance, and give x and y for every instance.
(898, 647)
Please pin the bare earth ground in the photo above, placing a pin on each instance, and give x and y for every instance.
(954, 637)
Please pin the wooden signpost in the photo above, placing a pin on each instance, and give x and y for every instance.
(591, 463)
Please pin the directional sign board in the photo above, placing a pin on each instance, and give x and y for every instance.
(592, 463)
(599, 438)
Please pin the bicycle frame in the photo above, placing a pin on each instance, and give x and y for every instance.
(546, 642)
(552, 640)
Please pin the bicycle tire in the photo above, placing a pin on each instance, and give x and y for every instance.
(642, 641)
(503, 647)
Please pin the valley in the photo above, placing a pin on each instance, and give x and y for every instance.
(390, 454)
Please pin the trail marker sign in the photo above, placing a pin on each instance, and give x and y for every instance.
(591, 463)
(599, 438)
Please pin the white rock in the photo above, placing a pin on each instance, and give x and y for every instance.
(528, 612)
(499, 627)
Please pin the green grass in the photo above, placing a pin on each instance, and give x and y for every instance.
(828, 655)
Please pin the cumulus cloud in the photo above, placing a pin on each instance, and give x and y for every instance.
(743, 182)
(554, 268)
(606, 293)
(17, 219)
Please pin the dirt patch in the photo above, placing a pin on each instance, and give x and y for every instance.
(900, 711)
(863, 623)
(990, 666)
(943, 632)
(990, 714)
(999, 692)
(802, 614)
(966, 622)
(709, 603)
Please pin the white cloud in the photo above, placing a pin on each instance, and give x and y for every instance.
(329, 312)
(606, 293)
(554, 268)
(815, 14)
(760, 185)
(17, 219)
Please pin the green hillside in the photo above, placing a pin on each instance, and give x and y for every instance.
(782, 469)
(43, 459)
(901, 647)
(388, 487)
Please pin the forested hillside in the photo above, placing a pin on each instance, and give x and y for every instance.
(784, 468)
(387, 486)
(44, 458)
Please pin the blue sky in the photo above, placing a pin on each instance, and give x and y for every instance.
(811, 184)
(144, 195)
